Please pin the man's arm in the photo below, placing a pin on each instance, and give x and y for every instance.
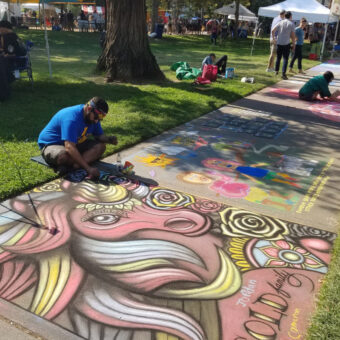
(274, 31)
(107, 139)
(293, 37)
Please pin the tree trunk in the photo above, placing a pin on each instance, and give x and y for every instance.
(154, 14)
(126, 55)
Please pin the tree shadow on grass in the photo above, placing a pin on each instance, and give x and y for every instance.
(142, 112)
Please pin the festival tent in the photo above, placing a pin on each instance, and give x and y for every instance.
(45, 3)
(244, 13)
(312, 10)
(3, 9)
(35, 6)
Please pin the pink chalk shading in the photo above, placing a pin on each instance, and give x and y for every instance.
(285, 92)
(318, 247)
(327, 110)
(16, 278)
(150, 279)
(54, 217)
(230, 189)
(298, 301)
(30, 234)
(184, 221)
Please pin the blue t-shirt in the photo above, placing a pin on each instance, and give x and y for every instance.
(68, 125)
(300, 35)
(207, 60)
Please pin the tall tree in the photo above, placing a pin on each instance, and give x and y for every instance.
(237, 13)
(126, 55)
(154, 14)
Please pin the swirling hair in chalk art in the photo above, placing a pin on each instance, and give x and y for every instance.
(128, 260)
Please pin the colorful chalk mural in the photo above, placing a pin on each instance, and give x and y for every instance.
(267, 174)
(258, 126)
(285, 92)
(327, 110)
(118, 259)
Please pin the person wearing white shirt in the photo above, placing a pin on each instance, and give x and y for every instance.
(276, 20)
(282, 34)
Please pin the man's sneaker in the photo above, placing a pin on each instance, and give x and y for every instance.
(284, 77)
(270, 69)
(301, 72)
(276, 73)
(291, 70)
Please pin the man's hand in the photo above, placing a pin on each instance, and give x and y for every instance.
(107, 139)
(93, 172)
(335, 94)
(112, 140)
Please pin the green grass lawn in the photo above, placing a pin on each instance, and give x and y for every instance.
(325, 324)
(137, 112)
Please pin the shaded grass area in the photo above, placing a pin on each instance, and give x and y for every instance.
(137, 111)
(325, 324)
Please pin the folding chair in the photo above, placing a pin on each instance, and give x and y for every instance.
(23, 64)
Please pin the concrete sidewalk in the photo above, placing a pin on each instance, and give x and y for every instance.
(224, 232)
(213, 158)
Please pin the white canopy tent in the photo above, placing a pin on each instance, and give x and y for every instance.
(312, 10)
(3, 9)
(244, 13)
(35, 7)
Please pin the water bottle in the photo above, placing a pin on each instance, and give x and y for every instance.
(119, 162)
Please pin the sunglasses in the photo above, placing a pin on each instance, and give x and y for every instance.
(98, 114)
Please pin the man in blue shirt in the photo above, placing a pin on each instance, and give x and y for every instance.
(300, 37)
(64, 144)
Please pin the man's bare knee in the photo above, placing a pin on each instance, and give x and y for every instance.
(63, 158)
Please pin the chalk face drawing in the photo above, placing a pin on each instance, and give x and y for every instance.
(194, 177)
(118, 259)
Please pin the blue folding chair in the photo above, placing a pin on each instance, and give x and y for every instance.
(23, 64)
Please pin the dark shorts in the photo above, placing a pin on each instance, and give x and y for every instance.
(50, 153)
(308, 97)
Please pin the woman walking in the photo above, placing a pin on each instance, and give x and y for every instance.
(300, 36)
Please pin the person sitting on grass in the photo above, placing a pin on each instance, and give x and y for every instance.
(209, 60)
(318, 86)
(221, 63)
(64, 142)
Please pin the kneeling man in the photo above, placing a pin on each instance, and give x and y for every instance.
(64, 142)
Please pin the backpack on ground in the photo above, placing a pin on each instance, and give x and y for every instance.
(210, 72)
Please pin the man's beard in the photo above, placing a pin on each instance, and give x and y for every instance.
(88, 120)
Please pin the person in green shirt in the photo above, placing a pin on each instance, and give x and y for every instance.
(318, 86)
